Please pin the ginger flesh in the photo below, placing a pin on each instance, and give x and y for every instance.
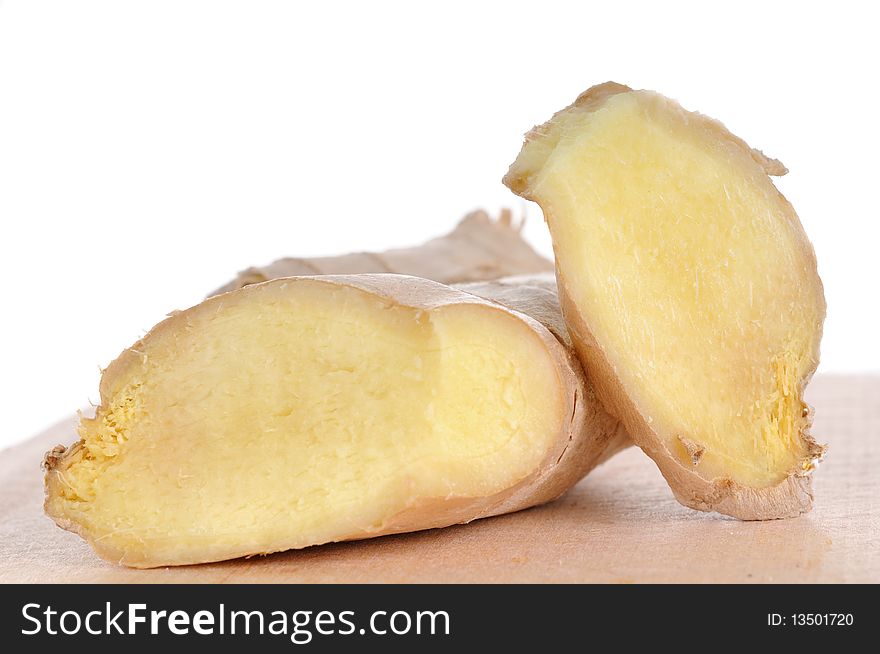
(687, 279)
(298, 412)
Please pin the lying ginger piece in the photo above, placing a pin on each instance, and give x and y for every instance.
(690, 290)
(306, 410)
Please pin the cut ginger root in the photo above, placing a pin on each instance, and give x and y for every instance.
(690, 290)
(307, 410)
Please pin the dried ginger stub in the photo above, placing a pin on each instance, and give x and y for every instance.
(691, 292)
(479, 249)
(306, 410)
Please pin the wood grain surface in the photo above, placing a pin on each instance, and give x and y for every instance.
(620, 524)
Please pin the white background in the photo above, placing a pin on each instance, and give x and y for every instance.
(149, 150)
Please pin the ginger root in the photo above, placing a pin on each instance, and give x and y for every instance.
(478, 249)
(306, 410)
(690, 290)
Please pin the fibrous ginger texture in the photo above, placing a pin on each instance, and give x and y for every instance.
(305, 410)
(690, 290)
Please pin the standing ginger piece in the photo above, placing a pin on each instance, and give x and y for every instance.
(306, 410)
(690, 290)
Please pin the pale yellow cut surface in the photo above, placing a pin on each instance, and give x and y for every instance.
(300, 412)
(691, 273)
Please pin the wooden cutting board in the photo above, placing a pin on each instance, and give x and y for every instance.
(619, 525)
